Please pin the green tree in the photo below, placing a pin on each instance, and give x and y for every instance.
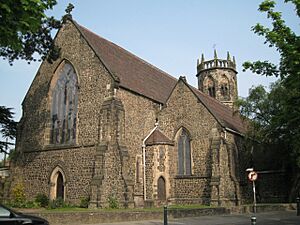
(25, 29)
(8, 127)
(283, 114)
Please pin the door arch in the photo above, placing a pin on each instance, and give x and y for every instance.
(161, 189)
(57, 184)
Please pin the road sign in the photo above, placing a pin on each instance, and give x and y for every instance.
(252, 176)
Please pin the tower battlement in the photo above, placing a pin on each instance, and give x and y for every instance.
(216, 63)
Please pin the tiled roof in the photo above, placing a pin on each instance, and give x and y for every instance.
(134, 73)
(138, 76)
(157, 137)
(224, 114)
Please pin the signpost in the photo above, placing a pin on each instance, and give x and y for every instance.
(252, 176)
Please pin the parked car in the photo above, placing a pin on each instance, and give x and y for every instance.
(11, 217)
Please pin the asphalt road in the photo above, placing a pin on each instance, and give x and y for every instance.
(269, 218)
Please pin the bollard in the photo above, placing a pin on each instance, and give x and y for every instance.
(253, 220)
(165, 215)
(298, 206)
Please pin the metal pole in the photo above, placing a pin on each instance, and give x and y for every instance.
(254, 197)
(165, 215)
(253, 220)
(298, 206)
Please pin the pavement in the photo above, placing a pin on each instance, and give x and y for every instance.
(267, 218)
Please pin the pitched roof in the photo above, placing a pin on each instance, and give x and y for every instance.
(138, 76)
(224, 114)
(157, 137)
(134, 73)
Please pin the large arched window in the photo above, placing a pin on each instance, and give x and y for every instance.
(64, 105)
(184, 153)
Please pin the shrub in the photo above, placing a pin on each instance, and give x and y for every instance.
(31, 204)
(56, 203)
(42, 200)
(84, 202)
(18, 193)
(113, 202)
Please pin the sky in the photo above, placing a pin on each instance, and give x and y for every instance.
(170, 34)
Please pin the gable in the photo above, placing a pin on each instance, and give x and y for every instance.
(224, 115)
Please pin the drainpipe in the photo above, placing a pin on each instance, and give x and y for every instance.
(144, 158)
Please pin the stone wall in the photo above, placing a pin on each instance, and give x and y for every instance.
(140, 117)
(183, 110)
(76, 163)
(94, 85)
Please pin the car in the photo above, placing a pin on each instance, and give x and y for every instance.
(11, 217)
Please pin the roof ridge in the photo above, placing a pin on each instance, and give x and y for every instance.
(128, 52)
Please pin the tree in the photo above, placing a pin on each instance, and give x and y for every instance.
(283, 115)
(8, 127)
(25, 29)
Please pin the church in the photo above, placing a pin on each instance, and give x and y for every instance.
(102, 124)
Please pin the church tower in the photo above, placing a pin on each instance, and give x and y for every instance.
(218, 79)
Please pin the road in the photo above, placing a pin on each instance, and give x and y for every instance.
(268, 218)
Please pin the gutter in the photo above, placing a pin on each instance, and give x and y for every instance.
(233, 131)
(144, 158)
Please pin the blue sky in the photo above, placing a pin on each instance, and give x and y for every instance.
(170, 34)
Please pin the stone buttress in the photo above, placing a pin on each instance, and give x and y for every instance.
(111, 180)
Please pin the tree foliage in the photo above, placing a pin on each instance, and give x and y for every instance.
(8, 127)
(277, 114)
(25, 29)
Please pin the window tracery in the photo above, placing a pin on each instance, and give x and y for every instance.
(64, 106)
(184, 153)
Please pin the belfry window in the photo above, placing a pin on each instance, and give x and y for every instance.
(224, 88)
(184, 153)
(212, 91)
(64, 106)
(209, 84)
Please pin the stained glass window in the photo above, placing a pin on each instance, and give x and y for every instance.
(64, 106)
(184, 154)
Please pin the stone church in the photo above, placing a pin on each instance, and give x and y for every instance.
(101, 123)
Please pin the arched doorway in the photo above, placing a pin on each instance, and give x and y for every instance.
(161, 189)
(57, 184)
(60, 186)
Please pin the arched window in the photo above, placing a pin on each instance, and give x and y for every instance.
(209, 85)
(224, 87)
(184, 153)
(64, 106)
(161, 189)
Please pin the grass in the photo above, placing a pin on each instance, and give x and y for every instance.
(153, 209)
(193, 206)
